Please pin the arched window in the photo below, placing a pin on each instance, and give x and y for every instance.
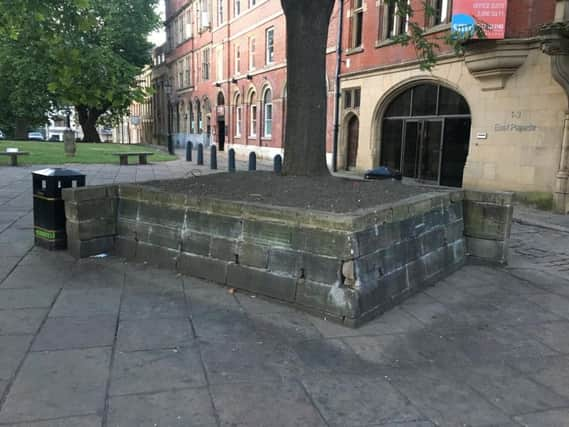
(238, 116)
(426, 134)
(253, 114)
(268, 114)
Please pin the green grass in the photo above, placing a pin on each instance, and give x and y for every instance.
(51, 153)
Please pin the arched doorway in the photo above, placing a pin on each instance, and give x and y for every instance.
(352, 137)
(426, 133)
(221, 121)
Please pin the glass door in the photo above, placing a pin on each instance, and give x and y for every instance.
(411, 146)
(431, 150)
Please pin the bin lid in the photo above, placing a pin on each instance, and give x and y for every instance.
(57, 172)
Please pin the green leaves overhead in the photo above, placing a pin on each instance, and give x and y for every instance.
(82, 52)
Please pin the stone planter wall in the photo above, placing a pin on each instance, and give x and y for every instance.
(346, 267)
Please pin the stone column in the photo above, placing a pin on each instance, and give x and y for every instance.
(69, 145)
(556, 44)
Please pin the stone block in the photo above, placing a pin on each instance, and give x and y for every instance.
(93, 192)
(156, 255)
(487, 221)
(91, 229)
(126, 228)
(338, 301)
(158, 235)
(285, 262)
(224, 249)
(321, 269)
(196, 243)
(495, 198)
(328, 243)
(456, 211)
(87, 248)
(128, 209)
(253, 255)
(492, 251)
(261, 282)
(91, 209)
(124, 248)
(129, 192)
(161, 214)
(215, 225)
(268, 233)
(456, 252)
(203, 267)
(454, 231)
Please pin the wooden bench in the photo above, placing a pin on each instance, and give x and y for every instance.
(123, 157)
(14, 156)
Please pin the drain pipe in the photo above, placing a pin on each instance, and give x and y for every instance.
(337, 94)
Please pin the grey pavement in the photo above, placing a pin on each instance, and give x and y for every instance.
(101, 342)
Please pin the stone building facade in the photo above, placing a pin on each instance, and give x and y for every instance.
(495, 118)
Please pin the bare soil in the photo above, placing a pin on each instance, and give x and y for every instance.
(320, 193)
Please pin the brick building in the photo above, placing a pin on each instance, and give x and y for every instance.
(494, 118)
(227, 62)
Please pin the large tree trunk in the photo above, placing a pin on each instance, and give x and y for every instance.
(88, 120)
(307, 33)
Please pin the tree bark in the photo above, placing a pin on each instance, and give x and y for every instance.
(307, 34)
(88, 120)
(21, 128)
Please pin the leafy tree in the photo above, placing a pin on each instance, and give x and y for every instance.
(89, 51)
(307, 31)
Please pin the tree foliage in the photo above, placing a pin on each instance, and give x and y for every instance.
(84, 53)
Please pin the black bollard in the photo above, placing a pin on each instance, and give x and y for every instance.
(189, 147)
(200, 154)
(278, 164)
(252, 161)
(231, 160)
(213, 158)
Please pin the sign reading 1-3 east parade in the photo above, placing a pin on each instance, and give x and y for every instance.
(488, 15)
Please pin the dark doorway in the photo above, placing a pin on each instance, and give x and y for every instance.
(221, 135)
(426, 134)
(353, 136)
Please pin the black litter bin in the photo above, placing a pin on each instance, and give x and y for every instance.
(49, 209)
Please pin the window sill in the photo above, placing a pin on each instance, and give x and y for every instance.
(267, 138)
(437, 29)
(354, 50)
(384, 43)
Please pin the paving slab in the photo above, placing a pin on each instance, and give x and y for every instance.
(58, 384)
(12, 299)
(21, 322)
(553, 418)
(157, 370)
(86, 421)
(345, 400)
(65, 333)
(279, 404)
(148, 334)
(87, 302)
(191, 407)
(12, 351)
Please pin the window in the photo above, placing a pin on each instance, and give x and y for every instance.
(252, 3)
(204, 19)
(189, 23)
(237, 59)
(253, 121)
(188, 79)
(191, 117)
(220, 11)
(205, 64)
(352, 98)
(219, 63)
(199, 116)
(237, 8)
(392, 24)
(441, 10)
(270, 45)
(268, 114)
(180, 68)
(238, 115)
(252, 53)
(357, 23)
